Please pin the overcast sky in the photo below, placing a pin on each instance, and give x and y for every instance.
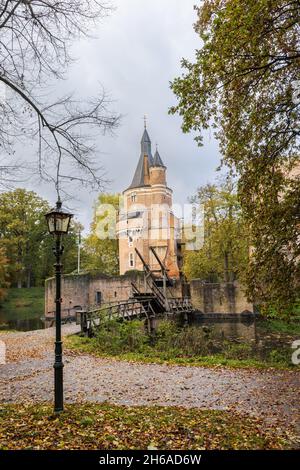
(136, 54)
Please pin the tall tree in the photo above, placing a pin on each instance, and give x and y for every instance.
(102, 254)
(245, 83)
(35, 38)
(45, 260)
(22, 228)
(3, 273)
(224, 255)
(25, 238)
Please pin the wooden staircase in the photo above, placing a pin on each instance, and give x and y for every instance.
(142, 305)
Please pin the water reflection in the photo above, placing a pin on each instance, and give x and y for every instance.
(241, 336)
(24, 324)
(231, 329)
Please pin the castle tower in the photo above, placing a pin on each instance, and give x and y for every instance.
(147, 219)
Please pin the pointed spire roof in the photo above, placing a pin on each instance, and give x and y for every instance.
(139, 175)
(146, 146)
(157, 161)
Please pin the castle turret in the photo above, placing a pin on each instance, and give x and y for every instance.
(157, 171)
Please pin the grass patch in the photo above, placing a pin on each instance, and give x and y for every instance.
(280, 326)
(5, 332)
(93, 426)
(194, 346)
(90, 346)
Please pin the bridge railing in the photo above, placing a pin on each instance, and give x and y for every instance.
(127, 310)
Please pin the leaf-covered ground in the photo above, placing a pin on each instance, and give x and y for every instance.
(268, 397)
(31, 344)
(91, 426)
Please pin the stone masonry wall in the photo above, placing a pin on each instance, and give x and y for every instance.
(79, 291)
(219, 298)
(86, 289)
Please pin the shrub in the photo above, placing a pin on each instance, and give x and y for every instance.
(171, 341)
(189, 341)
(237, 350)
(115, 337)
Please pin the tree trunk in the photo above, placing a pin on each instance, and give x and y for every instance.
(226, 267)
(28, 278)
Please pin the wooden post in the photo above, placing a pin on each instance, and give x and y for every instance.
(165, 291)
(152, 329)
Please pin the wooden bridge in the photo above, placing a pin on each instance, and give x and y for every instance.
(142, 305)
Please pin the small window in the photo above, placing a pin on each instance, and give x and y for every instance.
(133, 197)
(131, 260)
(98, 298)
(130, 240)
(116, 294)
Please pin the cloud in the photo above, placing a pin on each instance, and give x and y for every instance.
(136, 53)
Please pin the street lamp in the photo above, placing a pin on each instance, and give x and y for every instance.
(58, 221)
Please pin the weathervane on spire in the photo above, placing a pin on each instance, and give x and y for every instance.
(145, 121)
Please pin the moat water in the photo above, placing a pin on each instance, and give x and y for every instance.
(33, 322)
(237, 329)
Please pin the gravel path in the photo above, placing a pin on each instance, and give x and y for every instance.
(28, 376)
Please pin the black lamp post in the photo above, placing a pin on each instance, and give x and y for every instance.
(58, 221)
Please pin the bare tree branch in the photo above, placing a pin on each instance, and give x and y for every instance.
(35, 36)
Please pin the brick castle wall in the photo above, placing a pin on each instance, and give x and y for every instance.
(219, 297)
(80, 291)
